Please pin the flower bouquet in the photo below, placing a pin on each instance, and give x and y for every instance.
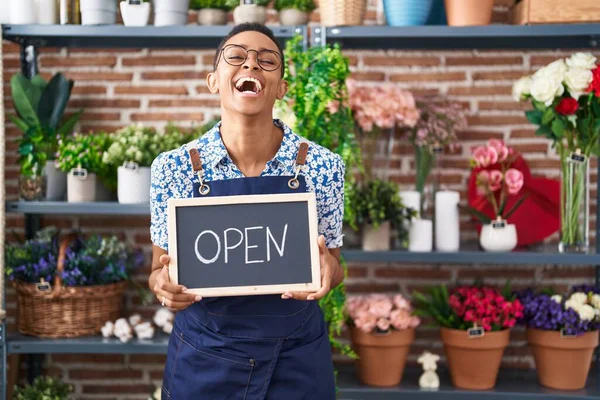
(475, 328)
(69, 287)
(499, 186)
(562, 332)
(382, 329)
(566, 99)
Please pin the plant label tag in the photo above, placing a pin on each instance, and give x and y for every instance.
(564, 334)
(498, 224)
(43, 286)
(136, 2)
(437, 149)
(247, 2)
(79, 173)
(475, 332)
(131, 165)
(577, 158)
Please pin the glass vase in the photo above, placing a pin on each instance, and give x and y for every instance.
(32, 188)
(427, 165)
(575, 204)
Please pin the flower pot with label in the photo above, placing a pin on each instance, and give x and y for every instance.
(81, 186)
(133, 184)
(135, 13)
(56, 182)
(252, 13)
(98, 12)
(498, 236)
(376, 238)
(171, 12)
(474, 360)
(212, 16)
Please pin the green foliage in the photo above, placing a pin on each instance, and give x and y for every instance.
(133, 143)
(436, 305)
(234, 3)
(84, 151)
(40, 107)
(43, 388)
(301, 5)
(203, 4)
(374, 202)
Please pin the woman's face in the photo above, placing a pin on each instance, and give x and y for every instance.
(248, 75)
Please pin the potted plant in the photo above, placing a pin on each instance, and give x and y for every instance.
(294, 12)
(171, 12)
(499, 185)
(135, 12)
(211, 12)
(81, 157)
(475, 326)
(342, 12)
(249, 10)
(406, 12)
(40, 108)
(376, 207)
(43, 388)
(565, 96)
(562, 332)
(469, 12)
(98, 12)
(382, 328)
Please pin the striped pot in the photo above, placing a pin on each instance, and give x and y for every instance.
(407, 12)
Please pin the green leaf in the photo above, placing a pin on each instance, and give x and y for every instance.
(548, 116)
(54, 101)
(596, 106)
(539, 106)
(477, 214)
(22, 101)
(534, 116)
(515, 206)
(597, 125)
(25, 148)
(22, 125)
(68, 126)
(544, 131)
(559, 127)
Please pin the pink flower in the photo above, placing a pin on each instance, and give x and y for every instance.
(414, 322)
(380, 305)
(495, 182)
(356, 305)
(485, 156)
(401, 303)
(514, 180)
(483, 178)
(500, 148)
(366, 322)
(383, 324)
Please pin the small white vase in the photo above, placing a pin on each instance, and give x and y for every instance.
(171, 12)
(212, 16)
(47, 12)
(23, 12)
(135, 14)
(81, 186)
(56, 182)
(376, 239)
(98, 12)
(293, 17)
(250, 13)
(133, 185)
(498, 237)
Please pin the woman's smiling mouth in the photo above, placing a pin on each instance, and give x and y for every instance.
(249, 86)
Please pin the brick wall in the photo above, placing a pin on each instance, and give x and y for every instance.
(119, 87)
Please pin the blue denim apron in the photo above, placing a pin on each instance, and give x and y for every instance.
(249, 347)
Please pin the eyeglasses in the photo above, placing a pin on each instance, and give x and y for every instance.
(236, 55)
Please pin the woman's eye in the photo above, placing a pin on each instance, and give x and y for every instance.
(267, 62)
(235, 57)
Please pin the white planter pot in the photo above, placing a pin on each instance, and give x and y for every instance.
(498, 238)
(420, 235)
(250, 13)
(292, 17)
(376, 239)
(171, 12)
(81, 186)
(98, 12)
(133, 185)
(5, 11)
(56, 182)
(212, 16)
(135, 14)
(47, 12)
(23, 12)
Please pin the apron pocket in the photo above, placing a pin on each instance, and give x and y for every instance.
(173, 350)
(203, 373)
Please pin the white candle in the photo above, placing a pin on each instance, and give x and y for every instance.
(411, 199)
(5, 11)
(421, 235)
(47, 14)
(447, 230)
(23, 12)
(64, 12)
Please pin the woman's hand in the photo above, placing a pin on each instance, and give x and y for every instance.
(169, 294)
(330, 269)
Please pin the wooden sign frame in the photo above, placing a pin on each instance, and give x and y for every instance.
(308, 198)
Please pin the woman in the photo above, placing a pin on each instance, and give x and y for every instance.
(248, 347)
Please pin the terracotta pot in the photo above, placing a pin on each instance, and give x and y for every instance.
(474, 362)
(376, 239)
(562, 363)
(381, 357)
(469, 12)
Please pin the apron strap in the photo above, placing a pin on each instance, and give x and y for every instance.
(300, 161)
(196, 162)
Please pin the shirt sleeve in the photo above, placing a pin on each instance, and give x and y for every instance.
(330, 203)
(159, 195)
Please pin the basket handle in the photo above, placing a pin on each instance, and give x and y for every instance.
(60, 267)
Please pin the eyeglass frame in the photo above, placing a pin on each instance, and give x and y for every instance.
(221, 55)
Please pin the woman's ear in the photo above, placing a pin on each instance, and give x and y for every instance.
(212, 82)
(282, 89)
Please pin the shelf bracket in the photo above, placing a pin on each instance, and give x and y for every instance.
(319, 36)
(29, 60)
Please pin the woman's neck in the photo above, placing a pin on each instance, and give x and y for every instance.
(250, 142)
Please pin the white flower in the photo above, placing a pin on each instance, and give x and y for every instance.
(587, 313)
(135, 319)
(557, 298)
(144, 330)
(107, 329)
(545, 88)
(579, 297)
(573, 304)
(123, 330)
(163, 316)
(582, 60)
(168, 327)
(578, 80)
(521, 88)
(555, 70)
(596, 301)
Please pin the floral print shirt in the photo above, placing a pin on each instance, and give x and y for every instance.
(173, 177)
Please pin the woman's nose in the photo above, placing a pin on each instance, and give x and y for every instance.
(251, 62)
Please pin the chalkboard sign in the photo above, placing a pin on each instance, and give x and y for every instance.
(244, 245)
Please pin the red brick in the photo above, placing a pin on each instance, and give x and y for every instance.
(94, 374)
(174, 75)
(158, 61)
(503, 105)
(185, 103)
(480, 91)
(164, 90)
(100, 116)
(114, 222)
(502, 273)
(98, 76)
(478, 135)
(153, 116)
(477, 60)
(413, 273)
(357, 272)
(523, 133)
(543, 163)
(568, 272)
(87, 358)
(531, 147)
(147, 359)
(496, 120)
(144, 388)
(208, 59)
(429, 77)
(367, 76)
(87, 90)
(389, 61)
(498, 75)
(68, 62)
(104, 103)
(371, 287)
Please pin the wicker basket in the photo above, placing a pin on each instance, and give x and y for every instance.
(342, 12)
(63, 312)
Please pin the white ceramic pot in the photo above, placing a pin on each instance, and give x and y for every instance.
(420, 235)
(47, 12)
(249, 13)
(5, 11)
(376, 239)
(133, 185)
(98, 12)
(56, 181)
(135, 14)
(81, 186)
(23, 12)
(292, 17)
(171, 12)
(212, 16)
(498, 238)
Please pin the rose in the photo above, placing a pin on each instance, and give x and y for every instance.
(500, 147)
(401, 303)
(555, 70)
(521, 88)
(495, 182)
(514, 180)
(380, 305)
(383, 324)
(545, 88)
(579, 298)
(485, 156)
(595, 300)
(366, 322)
(587, 312)
(581, 60)
(595, 85)
(578, 80)
(567, 106)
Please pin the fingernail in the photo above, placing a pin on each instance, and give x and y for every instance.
(310, 298)
(284, 296)
(184, 288)
(198, 298)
